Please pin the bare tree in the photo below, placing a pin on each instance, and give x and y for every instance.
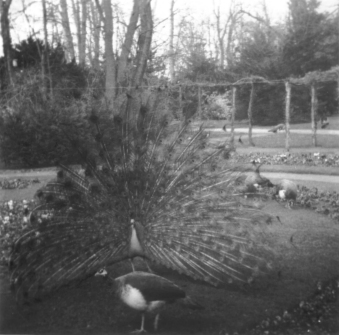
(76, 16)
(106, 15)
(6, 36)
(144, 42)
(127, 45)
(171, 44)
(70, 54)
(44, 55)
(82, 46)
(95, 36)
(80, 18)
(224, 48)
(221, 33)
(233, 17)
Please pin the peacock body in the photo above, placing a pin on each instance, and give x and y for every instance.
(151, 188)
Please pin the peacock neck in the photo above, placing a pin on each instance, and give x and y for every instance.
(136, 240)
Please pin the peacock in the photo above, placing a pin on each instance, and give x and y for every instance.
(150, 186)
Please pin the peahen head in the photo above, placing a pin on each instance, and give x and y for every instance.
(109, 280)
(102, 272)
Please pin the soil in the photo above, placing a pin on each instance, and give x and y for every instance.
(306, 254)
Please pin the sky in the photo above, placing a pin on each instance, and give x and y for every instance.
(197, 8)
(277, 8)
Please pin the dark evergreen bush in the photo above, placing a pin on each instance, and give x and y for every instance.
(34, 123)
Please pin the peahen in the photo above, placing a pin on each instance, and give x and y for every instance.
(278, 127)
(151, 188)
(255, 180)
(148, 293)
(287, 190)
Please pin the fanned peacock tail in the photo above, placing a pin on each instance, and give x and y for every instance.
(157, 173)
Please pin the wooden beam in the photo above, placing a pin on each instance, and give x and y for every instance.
(314, 105)
(250, 110)
(287, 114)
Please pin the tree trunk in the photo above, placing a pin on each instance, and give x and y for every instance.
(171, 45)
(221, 32)
(126, 47)
(6, 37)
(76, 15)
(44, 56)
(96, 36)
(110, 84)
(144, 42)
(67, 31)
(82, 46)
(229, 53)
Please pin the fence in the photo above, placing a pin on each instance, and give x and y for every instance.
(311, 79)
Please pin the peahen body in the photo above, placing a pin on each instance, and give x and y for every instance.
(148, 293)
(278, 127)
(151, 188)
(287, 190)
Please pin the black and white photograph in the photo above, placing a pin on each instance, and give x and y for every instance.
(169, 167)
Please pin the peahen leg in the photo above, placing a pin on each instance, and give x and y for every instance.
(156, 322)
(142, 329)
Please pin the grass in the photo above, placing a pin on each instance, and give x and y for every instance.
(296, 140)
(272, 140)
(218, 124)
(306, 251)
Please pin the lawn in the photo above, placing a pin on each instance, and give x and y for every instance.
(285, 300)
(271, 140)
(296, 140)
(218, 124)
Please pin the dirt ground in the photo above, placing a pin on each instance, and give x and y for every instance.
(306, 253)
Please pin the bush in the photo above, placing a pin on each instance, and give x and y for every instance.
(34, 139)
(31, 128)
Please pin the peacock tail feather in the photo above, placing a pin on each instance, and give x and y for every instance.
(153, 171)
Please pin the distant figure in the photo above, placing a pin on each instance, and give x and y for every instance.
(324, 122)
(280, 126)
(224, 128)
(240, 140)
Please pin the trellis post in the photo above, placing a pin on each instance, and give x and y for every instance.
(287, 114)
(250, 109)
(314, 106)
(234, 98)
(199, 102)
